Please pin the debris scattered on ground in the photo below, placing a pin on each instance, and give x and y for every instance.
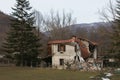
(105, 78)
(108, 74)
(102, 76)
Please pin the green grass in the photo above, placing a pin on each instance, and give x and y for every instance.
(116, 77)
(18, 73)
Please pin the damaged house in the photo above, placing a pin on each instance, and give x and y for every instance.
(65, 53)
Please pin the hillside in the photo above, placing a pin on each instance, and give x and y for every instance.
(4, 26)
(88, 26)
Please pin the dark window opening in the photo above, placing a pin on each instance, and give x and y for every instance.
(61, 47)
(61, 61)
(91, 48)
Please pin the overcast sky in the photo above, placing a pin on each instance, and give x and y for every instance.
(86, 11)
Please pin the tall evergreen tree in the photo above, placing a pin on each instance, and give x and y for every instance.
(116, 32)
(21, 40)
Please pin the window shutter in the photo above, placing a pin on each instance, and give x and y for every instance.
(61, 47)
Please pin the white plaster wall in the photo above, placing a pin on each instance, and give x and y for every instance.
(67, 55)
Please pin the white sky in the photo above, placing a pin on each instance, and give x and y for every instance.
(86, 11)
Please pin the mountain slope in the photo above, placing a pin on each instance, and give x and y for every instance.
(4, 26)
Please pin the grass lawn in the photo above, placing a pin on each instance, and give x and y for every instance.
(18, 73)
(116, 77)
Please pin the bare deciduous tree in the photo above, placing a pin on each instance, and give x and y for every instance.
(38, 20)
(114, 19)
(58, 25)
(108, 14)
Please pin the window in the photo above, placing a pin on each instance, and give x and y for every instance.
(61, 61)
(61, 47)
